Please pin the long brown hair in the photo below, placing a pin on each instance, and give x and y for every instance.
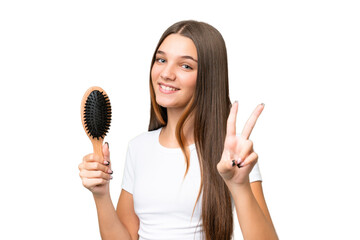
(210, 106)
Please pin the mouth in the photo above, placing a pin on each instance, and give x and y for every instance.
(167, 89)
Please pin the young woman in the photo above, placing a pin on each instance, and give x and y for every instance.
(184, 176)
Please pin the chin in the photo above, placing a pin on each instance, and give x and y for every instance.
(166, 104)
(170, 103)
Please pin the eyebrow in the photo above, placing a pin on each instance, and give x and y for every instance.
(185, 56)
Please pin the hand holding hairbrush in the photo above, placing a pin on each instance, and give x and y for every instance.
(95, 169)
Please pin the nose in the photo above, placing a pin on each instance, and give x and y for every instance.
(168, 73)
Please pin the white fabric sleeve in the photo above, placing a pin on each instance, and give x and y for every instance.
(255, 174)
(129, 173)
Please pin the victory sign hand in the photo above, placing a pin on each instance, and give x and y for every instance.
(238, 157)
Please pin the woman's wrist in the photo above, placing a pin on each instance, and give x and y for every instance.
(239, 189)
(101, 197)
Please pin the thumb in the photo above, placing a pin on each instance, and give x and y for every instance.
(106, 152)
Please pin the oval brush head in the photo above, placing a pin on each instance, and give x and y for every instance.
(96, 116)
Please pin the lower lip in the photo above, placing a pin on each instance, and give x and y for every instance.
(166, 91)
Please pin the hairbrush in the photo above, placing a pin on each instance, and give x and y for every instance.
(96, 116)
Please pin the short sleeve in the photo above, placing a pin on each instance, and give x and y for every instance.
(129, 173)
(255, 174)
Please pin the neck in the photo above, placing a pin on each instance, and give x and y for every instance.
(167, 135)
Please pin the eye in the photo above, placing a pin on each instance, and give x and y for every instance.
(160, 60)
(186, 66)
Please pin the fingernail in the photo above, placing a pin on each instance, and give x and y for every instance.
(111, 177)
(106, 162)
(107, 145)
(242, 164)
(263, 104)
(233, 163)
(239, 160)
(110, 171)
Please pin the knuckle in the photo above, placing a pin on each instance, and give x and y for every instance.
(99, 174)
(84, 183)
(97, 165)
(93, 166)
(87, 157)
(85, 166)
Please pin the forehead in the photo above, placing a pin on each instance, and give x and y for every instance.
(178, 45)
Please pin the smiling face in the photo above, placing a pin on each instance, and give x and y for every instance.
(174, 71)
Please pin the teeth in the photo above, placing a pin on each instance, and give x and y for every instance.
(168, 88)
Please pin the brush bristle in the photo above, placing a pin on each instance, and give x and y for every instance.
(97, 114)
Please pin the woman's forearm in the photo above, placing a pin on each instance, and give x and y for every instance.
(110, 225)
(253, 222)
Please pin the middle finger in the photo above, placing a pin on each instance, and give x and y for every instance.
(95, 174)
(245, 149)
(97, 166)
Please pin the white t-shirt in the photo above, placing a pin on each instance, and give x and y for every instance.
(163, 199)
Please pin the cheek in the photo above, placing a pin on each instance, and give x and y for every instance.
(190, 81)
(156, 70)
(154, 74)
(193, 81)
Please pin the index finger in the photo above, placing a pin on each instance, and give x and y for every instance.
(250, 124)
(91, 157)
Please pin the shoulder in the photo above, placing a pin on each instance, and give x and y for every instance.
(143, 146)
(145, 139)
